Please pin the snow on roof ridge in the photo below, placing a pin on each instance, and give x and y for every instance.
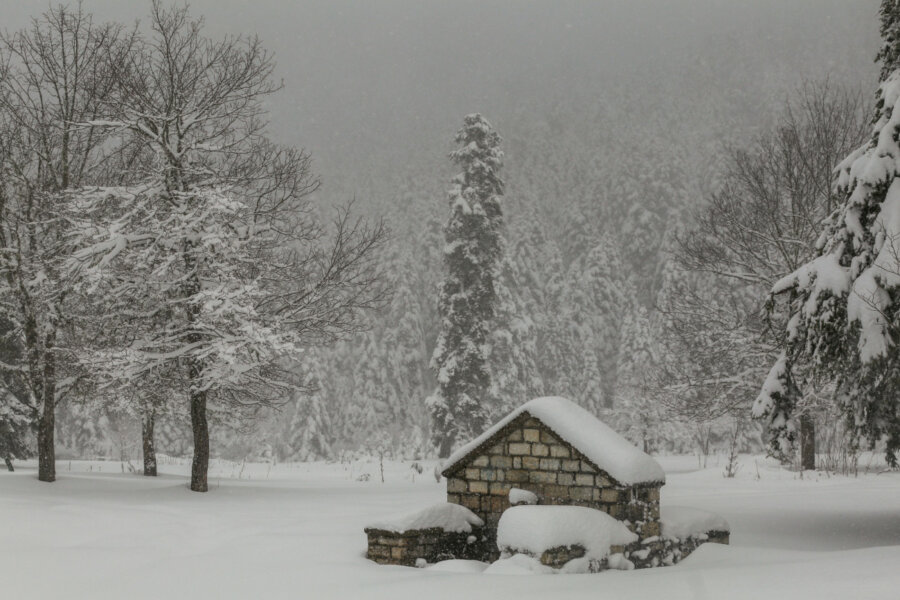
(598, 442)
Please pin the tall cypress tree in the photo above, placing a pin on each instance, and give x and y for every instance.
(460, 406)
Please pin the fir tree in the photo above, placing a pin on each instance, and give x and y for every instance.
(889, 54)
(468, 295)
(845, 304)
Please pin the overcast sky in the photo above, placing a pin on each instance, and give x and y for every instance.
(367, 78)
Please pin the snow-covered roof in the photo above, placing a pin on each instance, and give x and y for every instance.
(444, 515)
(602, 446)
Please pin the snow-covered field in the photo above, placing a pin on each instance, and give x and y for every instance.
(296, 531)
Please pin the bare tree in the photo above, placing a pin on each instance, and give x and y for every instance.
(219, 236)
(762, 225)
(53, 75)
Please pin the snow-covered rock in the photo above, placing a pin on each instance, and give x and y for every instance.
(533, 530)
(444, 515)
(520, 496)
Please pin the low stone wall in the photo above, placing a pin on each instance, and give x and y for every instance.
(432, 545)
(665, 551)
(643, 554)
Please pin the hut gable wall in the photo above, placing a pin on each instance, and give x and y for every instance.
(527, 454)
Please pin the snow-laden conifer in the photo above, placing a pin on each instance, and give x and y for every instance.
(467, 304)
(845, 303)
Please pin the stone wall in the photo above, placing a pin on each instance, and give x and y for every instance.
(643, 554)
(432, 545)
(528, 455)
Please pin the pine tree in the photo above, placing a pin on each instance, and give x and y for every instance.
(889, 54)
(468, 295)
(844, 304)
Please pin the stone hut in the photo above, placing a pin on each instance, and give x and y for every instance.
(548, 451)
(565, 456)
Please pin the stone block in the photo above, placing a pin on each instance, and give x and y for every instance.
(548, 438)
(531, 435)
(488, 475)
(609, 495)
(571, 465)
(615, 510)
(559, 451)
(498, 448)
(580, 493)
(604, 481)
(453, 498)
(650, 529)
(531, 463)
(499, 503)
(566, 479)
(515, 435)
(549, 464)
(521, 449)
(398, 553)
(500, 488)
(456, 485)
(542, 477)
(515, 476)
(473, 473)
(540, 450)
(501, 461)
(587, 468)
(389, 541)
(584, 479)
(532, 422)
(470, 501)
(481, 461)
(478, 487)
(555, 491)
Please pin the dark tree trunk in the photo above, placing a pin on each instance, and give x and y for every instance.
(147, 424)
(446, 446)
(9, 464)
(200, 427)
(807, 443)
(46, 449)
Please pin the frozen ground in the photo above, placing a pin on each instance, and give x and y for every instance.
(295, 531)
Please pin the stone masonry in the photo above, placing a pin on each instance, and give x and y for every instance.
(527, 454)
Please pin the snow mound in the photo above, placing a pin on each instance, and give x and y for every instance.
(459, 566)
(683, 522)
(518, 564)
(535, 529)
(597, 441)
(520, 496)
(444, 515)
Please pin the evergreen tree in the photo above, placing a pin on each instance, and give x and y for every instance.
(468, 294)
(844, 304)
(889, 55)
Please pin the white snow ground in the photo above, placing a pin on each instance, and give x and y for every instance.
(296, 531)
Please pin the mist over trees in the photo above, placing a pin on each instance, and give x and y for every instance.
(616, 146)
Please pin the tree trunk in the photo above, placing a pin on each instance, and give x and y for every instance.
(807, 443)
(446, 446)
(9, 464)
(200, 464)
(147, 423)
(46, 449)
